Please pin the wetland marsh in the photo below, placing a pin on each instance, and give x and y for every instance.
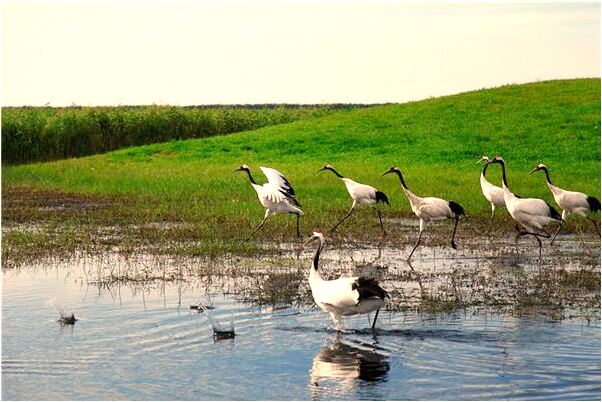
(481, 323)
(128, 240)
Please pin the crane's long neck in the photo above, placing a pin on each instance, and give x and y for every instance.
(484, 171)
(314, 275)
(413, 198)
(403, 182)
(335, 172)
(250, 177)
(504, 181)
(545, 169)
(315, 262)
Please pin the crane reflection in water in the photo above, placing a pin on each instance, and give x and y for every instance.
(340, 367)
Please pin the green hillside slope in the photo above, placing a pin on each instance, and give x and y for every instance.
(435, 142)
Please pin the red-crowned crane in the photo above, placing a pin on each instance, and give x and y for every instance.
(532, 214)
(429, 209)
(277, 195)
(344, 296)
(362, 194)
(571, 202)
(493, 193)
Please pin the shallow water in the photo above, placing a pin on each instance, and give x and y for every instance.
(138, 339)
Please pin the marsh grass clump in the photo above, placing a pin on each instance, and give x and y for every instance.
(35, 134)
(276, 288)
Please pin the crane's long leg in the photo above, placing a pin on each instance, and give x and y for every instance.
(298, 232)
(417, 241)
(374, 322)
(564, 216)
(538, 241)
(490, 219)
(345, 217)
(380, 219)
(267, 214)
(453, 243)
(536, 235)
(555, 234)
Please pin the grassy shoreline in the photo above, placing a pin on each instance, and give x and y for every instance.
(190, 186)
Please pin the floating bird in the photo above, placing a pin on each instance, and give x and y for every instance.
(493, 193)
(362, 194)
(67, 319)
(429, 209)
(532, 214)
(344, 296)
(570, 201)
(277, 195)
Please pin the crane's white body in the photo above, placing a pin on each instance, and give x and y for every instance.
(362, 194)
(277, 195)
(493, 193)
(339, 297)
(429, 209)
(531, 213)
(571, 202)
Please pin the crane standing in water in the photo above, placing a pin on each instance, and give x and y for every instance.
(362, 194)
(571, 202)
(344, 296)
(277, 195)
(532, 214)
(493, 193)
(429, 208)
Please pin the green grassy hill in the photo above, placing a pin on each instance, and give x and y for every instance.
(435, 142)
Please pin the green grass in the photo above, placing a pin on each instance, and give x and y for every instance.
(435, 142)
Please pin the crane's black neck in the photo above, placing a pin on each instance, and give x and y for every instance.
(317, 256)
(403, 182)
(503, 173)
(334, 171)
(545, 169)
(250, 177)
(484, 171)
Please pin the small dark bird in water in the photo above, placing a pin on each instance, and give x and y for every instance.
(67, 319)
(200, 307)
(221, 335)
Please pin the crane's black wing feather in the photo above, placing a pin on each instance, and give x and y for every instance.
(367, 288)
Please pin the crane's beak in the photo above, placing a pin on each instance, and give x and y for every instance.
(387, 172)
(236, 170)
(481, 161)
(534, 170)
(311, 238)
(319, 170)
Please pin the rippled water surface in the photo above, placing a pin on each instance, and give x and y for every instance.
(140, 340)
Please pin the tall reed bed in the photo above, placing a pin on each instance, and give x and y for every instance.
(37, 134)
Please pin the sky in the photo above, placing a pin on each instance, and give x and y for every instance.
(62, 53)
